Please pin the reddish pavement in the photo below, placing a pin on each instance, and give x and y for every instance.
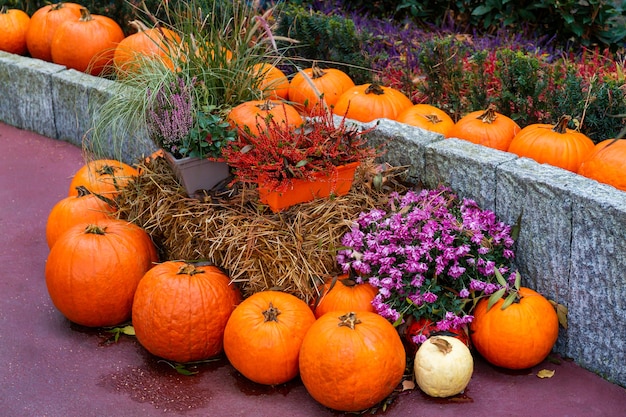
(53, 368)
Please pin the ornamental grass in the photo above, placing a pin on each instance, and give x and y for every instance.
(294, 250)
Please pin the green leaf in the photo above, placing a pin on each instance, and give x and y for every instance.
(509, 300)
(495, 297)
(481, 10)
(518, 280)
(500, 278)
(302, 163)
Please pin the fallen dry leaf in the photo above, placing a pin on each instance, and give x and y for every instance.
(545, 373)
(407, 385)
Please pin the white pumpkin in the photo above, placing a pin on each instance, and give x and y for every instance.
(443, 366)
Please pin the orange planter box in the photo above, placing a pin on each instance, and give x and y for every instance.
(304, 190)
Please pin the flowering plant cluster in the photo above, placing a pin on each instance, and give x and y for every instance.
(280, 153)
(177, 127)
(430, 255)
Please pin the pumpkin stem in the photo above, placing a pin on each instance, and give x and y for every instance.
(489, 116)
(4, 9)
(94, 229)
(433, 118)
(316, 71)
(189, 269)
(442, 344)
(374, 88)
(56, 7)
(349, 320)
(82, 191)
(138, 25)
(85, 16)
(271, 314)
(561, 125)
(267, 105)
(348, 282)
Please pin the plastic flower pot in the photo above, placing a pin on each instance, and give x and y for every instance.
(196, 174)
(302, 191)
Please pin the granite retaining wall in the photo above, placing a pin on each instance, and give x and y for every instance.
(572, 243)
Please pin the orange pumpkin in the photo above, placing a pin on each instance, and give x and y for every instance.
(488, 128)
(368, 102)
(314, 89)
(350, 362)
(86, 44)
(44, 23)
(607, 163)
(518, 337)
(263, 336)
(147, 43)
(93, 270)
(253, 115)
(345, 294)
(180, 310)
(105, 177)
(555, 145)
(273, 81)
(14, 25)
(82, 208)
(427, 117)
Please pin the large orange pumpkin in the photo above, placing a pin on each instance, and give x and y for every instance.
(147, 43)
(82, 208)
(607, 163)
(350, 362)
(486, 127)
(93, 270)
(314, 89)
(555, 145)
(518, 337)
(345, 294)
(44, 23)
(13, 27)
(254, 115)
(105, 177)
(263, 336)
(427, 117)
(273, 81)
(180, 310)
(86, 44)
(368, 102)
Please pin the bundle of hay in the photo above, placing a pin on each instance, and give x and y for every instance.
(293, 250)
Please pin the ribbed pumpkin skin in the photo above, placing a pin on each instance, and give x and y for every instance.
(488, 128)
(351, 369)
(607, 164)
(92, 277)
(274, 82)
(518, 337)
(264, 334)
(159, 43)
(330, 83)
(427, 117)
(43, 23)
(180, 311)
(368, 102)
(13, 27)
(86, 44)
(345, 295)
(82, 208)
(554, 145)
(102, 176)
(252, 115)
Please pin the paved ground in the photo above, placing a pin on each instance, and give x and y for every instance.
(53, 368)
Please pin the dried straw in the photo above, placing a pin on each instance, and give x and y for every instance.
(293, 250)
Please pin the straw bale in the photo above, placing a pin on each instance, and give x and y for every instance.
(293, 250)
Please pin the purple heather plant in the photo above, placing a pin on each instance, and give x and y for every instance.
(431, 256)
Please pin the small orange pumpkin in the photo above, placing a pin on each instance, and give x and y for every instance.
(273, 81)
(14, 24)
(253, 115)
(43, 23)
(82, 208)
(105, 177)
(313, 89)
(427, 117)
(350, 362)
(368, 102)
(263, 336)
(86, 44)
(93, 270)
(607, 163)
(488, 128)
(345, 294)
(518, 337)
(180, 310)
(158, 43)
(555, 145)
